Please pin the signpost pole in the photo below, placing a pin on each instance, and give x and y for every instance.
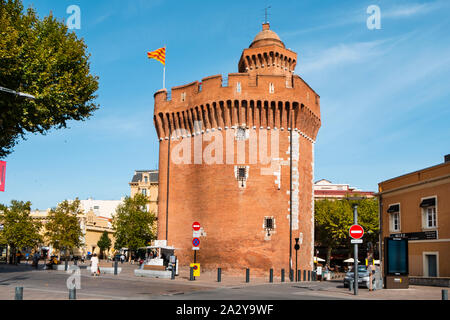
(355, 249)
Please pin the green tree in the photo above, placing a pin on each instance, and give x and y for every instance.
(133, 224)
(104, 243)
(333, 219)
(44, 59)
(63, 230)
(19, 228)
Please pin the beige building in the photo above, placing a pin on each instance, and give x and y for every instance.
(146, 183)
(417, 206)
(324, 189)
(96, 219)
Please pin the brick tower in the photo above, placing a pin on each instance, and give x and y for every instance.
(228, 141)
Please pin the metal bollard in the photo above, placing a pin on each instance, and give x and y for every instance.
(19, 293)
(309, 275)
(116, 266)
(247, 275)
(304, 275)
(191, 274)
(66, 264)
(444, 294)
(219, 274)
(173, 273)
(73, 294)
(282, 275)
(271, 276)
(291, 274)
(299, 275)
(350, 285)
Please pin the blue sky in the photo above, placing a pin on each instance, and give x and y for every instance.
(384, 93)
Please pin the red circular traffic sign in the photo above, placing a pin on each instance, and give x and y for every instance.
(356, 232)
(196, 242)
(196, 226)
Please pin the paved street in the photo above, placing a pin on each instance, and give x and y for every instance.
(51, 285)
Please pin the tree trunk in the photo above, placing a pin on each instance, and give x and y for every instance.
(329, 249)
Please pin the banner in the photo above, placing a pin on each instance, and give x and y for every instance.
(2, 175)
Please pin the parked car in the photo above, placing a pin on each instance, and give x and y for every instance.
(363, 277)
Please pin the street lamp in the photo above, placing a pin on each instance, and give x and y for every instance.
(20, 94)
(297, 247)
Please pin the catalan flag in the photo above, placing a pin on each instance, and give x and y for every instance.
(159, 55)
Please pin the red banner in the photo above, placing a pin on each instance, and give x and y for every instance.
(2, 175)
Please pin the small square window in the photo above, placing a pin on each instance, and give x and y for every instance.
(242, 173)
(238, 87)
(271, 88)
(183, 97)
(269, 223)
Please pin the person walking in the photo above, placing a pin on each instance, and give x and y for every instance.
(370, 269)
(94, 265)
(122, 258)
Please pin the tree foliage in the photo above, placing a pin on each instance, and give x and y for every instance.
(133, 224)
(333, 219)
(19, 228)
(104, 243)
(63, 230)
(41, 58)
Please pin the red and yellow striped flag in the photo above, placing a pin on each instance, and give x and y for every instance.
(159, 55)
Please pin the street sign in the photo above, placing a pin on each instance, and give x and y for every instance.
(196, 269)
(196, 234)
(196, 226)
(356, 232)
(356, 241)
(196, 242)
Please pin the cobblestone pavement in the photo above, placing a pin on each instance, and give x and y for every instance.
(51, 285)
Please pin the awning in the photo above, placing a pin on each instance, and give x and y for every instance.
(431, 202)
(394, 208)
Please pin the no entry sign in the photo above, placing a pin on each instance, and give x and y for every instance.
(356, 232)
(196, 226)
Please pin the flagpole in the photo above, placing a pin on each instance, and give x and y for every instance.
(164, 73)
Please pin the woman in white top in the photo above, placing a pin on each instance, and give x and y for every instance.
(94, 265)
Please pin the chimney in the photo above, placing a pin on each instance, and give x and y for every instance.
(447, 158)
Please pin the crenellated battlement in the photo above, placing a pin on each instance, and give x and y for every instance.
(265, 102)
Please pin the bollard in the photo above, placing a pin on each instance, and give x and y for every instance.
(444, 294)
(299, 275)
(282, 275)
(271, 276)
(291, 274)
(116, 266)
(19, 293)
(191, 274)
(309, 275)
(173, 273)
(219, 274)
(350, 285)
(304, 275)
(66, 264)
(73, 294)
(247, 275)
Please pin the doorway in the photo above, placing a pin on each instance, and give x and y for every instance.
(431, 265)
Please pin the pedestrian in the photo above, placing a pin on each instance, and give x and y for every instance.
(370, 269)
(94, 265)
(83, 258)
(27, 257)
(122, 258)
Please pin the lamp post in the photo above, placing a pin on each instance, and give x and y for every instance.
(355, 246)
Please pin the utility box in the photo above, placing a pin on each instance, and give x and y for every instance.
(396, 258)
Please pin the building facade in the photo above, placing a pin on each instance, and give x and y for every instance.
(324, 189)
(226, 162)
(417, 206)
(146, 183)
(96, 218)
